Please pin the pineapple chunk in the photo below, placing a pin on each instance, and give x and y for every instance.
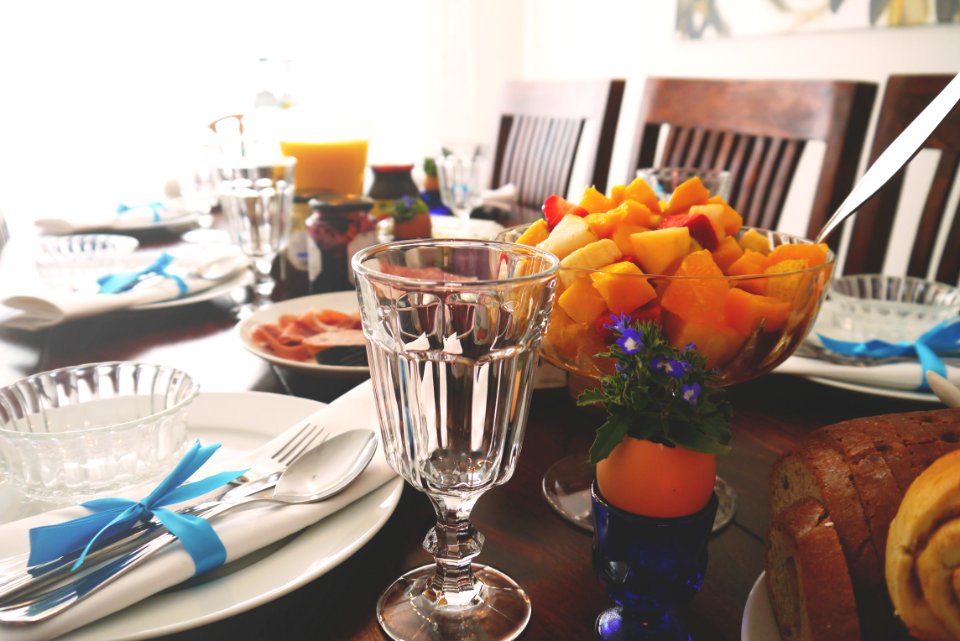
(593, 256)
(571, 233)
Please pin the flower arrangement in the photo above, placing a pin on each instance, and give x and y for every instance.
(666, 421)
(407, 207)
(659, 393)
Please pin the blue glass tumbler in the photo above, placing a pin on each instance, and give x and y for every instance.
(650, 566)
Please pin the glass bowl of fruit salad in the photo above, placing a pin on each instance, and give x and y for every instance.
(745, 298)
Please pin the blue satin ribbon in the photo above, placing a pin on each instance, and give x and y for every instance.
(113, 515)
(116, 283)
(942, 339)
(154, 206)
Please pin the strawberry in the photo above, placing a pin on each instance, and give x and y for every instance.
(556, 207)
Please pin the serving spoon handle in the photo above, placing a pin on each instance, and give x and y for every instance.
(899, 153)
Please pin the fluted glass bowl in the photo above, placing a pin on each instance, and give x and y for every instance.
(73, 433)
(76, 261)
(889, 308)
(738, 351)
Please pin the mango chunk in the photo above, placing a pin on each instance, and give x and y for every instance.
(717, 343)
(813, 254)
(727, 253)
(687, 194)
(622, 288)
(746, 312)
(535, 233)
(732, 220)
(594, 201)
(641, 192)
(581, 301)
(700, 298)
(756, 241)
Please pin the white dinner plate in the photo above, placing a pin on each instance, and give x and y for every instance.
(242, 421)
(758, 623)
(339, 301)
(907, 395)
(451, 227)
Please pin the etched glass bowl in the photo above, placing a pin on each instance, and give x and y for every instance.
(73, 433)
(890, 308)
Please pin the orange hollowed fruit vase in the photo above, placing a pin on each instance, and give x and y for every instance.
(654, 480)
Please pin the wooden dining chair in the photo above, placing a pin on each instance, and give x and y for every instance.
(547, 128)
(757, 130)
(903, 98)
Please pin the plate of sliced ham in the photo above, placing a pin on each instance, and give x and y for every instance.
(319, 333)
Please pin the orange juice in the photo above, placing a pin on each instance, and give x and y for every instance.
(328, 167)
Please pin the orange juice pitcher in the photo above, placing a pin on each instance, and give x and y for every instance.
(328, 167)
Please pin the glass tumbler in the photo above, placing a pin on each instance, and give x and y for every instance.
(453, 329)
(257, 201)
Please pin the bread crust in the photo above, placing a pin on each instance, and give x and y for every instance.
(806, 563)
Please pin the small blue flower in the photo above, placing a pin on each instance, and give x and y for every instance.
(690, 393)
(631, 342)
(673, 368)
(621, 368)
(690, 347)
(618, 324)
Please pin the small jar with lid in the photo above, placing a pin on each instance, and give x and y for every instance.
(339, 226)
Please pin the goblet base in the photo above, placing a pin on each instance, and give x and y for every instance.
(499, 611)
(616, 625)
(566, 486)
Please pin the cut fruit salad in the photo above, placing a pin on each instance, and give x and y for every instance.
(687, 263)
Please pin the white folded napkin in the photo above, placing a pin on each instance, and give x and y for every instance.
(504, 196)
(103, 217)
(242, 532)
(904, 376)
(43, 307)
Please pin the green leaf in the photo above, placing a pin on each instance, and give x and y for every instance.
(590, 397)
(609, 435)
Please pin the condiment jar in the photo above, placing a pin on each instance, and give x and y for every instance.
(391, 182)
(339, 226)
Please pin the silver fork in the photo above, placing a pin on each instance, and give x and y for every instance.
(262, 473)
(819, 352)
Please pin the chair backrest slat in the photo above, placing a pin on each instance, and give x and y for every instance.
(758, 129)
(544, 127)
(904, 98)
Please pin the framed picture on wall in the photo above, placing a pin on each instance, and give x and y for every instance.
(701, 19)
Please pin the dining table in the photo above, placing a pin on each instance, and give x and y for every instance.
(547, 556)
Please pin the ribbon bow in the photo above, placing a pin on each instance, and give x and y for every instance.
(154, 206)
(943, 338)
(113, 515)
(116, 283)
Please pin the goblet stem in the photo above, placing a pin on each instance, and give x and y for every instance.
(454, 543)
(263, 283)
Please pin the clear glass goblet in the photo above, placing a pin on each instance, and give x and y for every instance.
(460, 173)
(256, 197)
(453, 329)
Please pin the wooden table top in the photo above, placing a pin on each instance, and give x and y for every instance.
(545, 555)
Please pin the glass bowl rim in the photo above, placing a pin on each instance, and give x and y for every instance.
(369, 252)
(194, 391)
(831, 260)
(844, 297)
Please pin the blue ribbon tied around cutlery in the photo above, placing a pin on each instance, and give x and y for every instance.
(942, 339)
(116, 283)
(155, 207)
(114, 515)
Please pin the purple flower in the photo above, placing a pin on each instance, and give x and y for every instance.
(690, 393)
(621, 368)
(631, 342)
(673, 368)
(690, 347)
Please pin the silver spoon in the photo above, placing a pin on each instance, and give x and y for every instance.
(900, 151)
(318, 474)
(946, 391)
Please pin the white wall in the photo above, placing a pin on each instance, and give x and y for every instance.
(105, 99)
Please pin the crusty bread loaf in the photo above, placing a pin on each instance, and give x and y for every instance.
(806, 566)
(859, 470)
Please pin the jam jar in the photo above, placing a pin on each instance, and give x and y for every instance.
(339, 226)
